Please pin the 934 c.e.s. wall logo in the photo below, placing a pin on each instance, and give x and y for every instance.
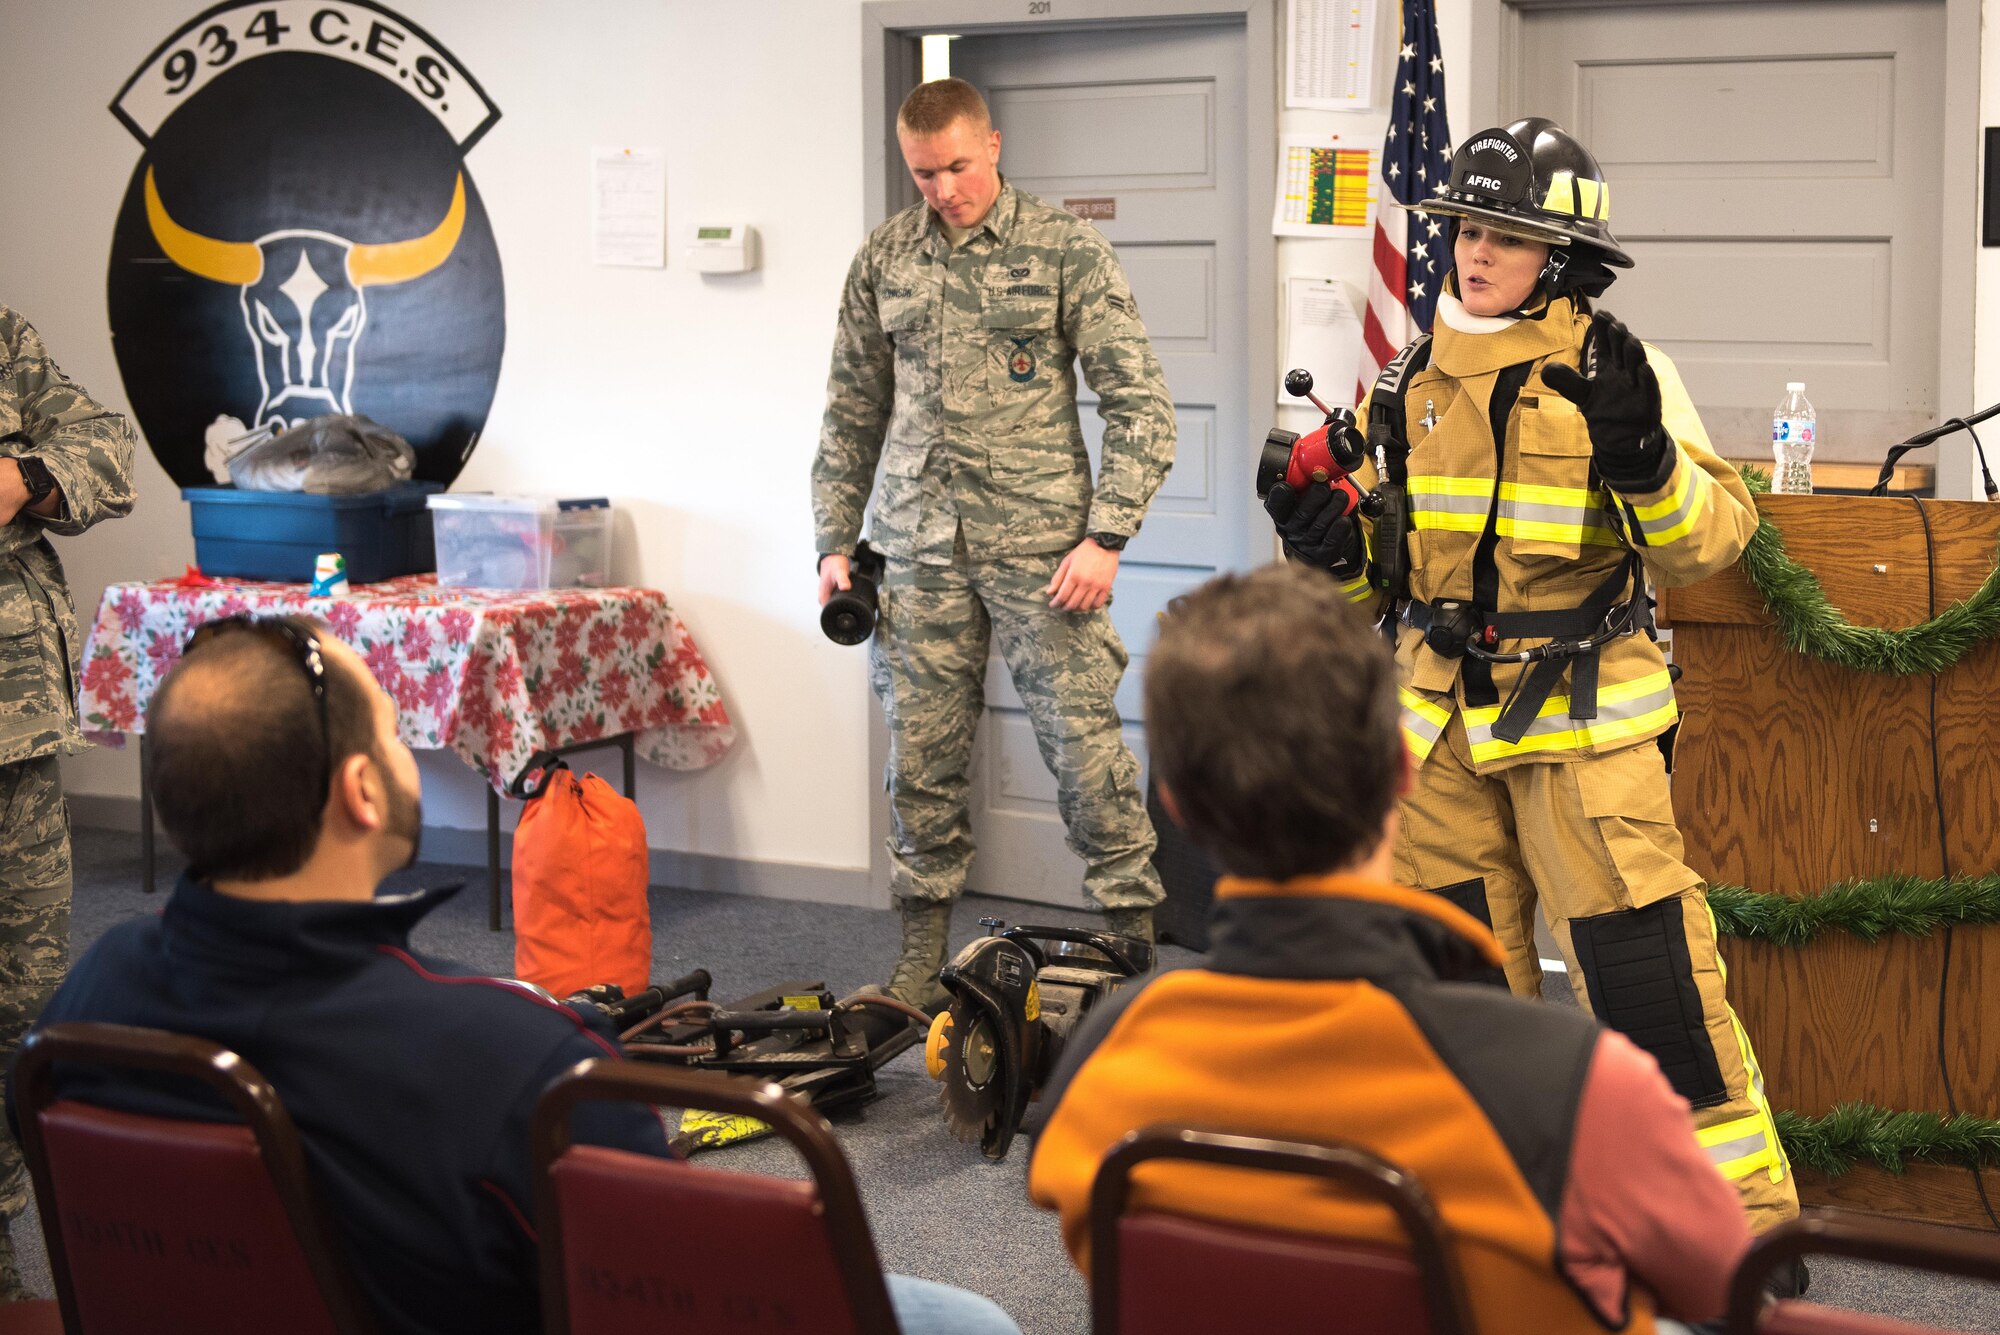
(301, 235)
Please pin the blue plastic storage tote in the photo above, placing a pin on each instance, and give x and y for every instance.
(278, 534)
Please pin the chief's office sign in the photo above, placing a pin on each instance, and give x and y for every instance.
(301, 235)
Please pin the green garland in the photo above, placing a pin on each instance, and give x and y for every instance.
(1862, 1133)
(1869, 907)
(1812, 625)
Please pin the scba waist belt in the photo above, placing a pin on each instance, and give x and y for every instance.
(1452, 629)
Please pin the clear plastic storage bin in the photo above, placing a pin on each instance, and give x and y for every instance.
(521, 542)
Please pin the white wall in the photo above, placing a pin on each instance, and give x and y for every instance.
(694, 403)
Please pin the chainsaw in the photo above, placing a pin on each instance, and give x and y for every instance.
(1018, 995)
(822, 1050)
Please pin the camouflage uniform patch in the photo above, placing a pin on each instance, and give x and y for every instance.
(34, 923)
(927, 664)
(88, 450)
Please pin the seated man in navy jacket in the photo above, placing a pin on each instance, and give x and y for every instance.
(279, 774)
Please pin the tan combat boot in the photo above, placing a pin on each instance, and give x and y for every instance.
(926, 937)
(1131, 922)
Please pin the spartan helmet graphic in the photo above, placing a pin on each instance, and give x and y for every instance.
(303, 295)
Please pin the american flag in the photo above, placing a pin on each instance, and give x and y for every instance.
(1411, 258)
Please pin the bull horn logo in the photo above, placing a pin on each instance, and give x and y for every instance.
(235, 262)
(400, 261)
(303, 297)
(241, 263)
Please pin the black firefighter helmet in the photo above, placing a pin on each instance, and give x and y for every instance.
(1531, 178)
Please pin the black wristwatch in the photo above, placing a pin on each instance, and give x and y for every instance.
(1110, 542)
(37, 478)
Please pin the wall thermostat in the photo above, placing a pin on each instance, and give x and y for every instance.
(724, 248)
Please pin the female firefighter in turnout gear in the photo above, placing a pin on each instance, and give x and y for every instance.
(1551, 463)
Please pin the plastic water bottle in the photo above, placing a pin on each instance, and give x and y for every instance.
(1792, 441)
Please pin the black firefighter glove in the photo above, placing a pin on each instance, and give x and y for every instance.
(1317, 527)
(1619, 397)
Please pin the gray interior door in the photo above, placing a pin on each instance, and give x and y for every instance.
(1775, 171)
(1143, 117)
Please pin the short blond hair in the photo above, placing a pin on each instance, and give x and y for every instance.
(932, 108)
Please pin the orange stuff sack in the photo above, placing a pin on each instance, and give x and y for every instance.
(580, 911)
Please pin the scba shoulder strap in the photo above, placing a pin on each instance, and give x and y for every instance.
(1389, 441)
(1385, 407)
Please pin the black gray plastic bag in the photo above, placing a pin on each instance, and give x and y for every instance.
(328, 456)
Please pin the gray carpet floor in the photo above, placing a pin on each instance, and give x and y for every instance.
(938, 1209)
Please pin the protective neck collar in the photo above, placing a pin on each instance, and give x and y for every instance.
(1453, 313)
(1496, 341)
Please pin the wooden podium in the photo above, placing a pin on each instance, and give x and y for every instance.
(1791, 773)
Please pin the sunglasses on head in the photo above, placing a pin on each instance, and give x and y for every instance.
(302, 644)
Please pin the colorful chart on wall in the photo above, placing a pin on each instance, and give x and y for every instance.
(302, 235)
(1324, 188)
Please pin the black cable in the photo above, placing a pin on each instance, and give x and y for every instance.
(1944, 858)
(1923, 438)
(1985, 473)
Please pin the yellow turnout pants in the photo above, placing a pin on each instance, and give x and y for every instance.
(1593, 841)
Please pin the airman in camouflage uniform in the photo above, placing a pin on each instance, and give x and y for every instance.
(86, 451)
(954, 368)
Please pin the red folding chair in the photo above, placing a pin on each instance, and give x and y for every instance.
(177, 1227)
(1164, 1274)
(1948, 1251)
(635, 1245)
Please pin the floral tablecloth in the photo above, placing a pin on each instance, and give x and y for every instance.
(496, 675)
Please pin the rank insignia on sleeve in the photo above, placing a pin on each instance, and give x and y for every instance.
(1021, 366)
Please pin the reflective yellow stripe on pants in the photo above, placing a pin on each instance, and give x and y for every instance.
(1742, 1145)
(1423, 723)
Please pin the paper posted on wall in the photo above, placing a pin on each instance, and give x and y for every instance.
(1324, 189)
(628, 206)
(1329, 54)
(1322, 335)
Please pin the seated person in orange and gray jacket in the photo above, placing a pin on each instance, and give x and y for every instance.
(1335, 1005)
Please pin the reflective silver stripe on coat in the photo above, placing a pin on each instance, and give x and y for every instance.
(1672, 519)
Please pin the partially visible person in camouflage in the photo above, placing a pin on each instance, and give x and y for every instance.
(65, 464)
(961, 326)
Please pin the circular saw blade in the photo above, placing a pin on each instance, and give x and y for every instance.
(970, 1083)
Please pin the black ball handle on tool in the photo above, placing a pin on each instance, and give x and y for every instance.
(1299, 384)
